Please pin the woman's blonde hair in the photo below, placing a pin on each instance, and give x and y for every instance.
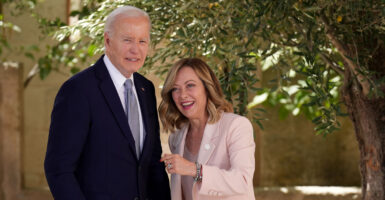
(170, 116)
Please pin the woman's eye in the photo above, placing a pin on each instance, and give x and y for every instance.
(190, 85)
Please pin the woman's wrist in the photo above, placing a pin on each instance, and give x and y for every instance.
(193, 170)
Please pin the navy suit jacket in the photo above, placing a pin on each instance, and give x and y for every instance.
(91, 152)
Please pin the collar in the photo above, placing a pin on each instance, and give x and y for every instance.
(116, 76)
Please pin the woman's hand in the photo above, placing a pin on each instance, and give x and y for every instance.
(175, 164)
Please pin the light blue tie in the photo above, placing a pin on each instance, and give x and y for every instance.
(132, 114)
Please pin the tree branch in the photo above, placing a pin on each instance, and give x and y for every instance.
(32, 73)
(335, 67)
(323, 56)
(346, 55)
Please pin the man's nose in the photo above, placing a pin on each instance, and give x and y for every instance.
(134, 48)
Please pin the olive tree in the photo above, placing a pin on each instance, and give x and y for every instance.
(327, 41)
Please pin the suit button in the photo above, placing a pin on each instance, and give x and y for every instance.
(139, 169)
(136, 198)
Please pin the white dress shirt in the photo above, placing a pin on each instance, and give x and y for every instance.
(118, 79)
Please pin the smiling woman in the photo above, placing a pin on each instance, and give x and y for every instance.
(212, 148)
(197, 68)
(189, 94)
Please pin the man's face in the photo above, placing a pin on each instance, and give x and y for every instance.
(127, 45)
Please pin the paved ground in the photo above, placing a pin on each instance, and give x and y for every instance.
(308, 193)
(273, 193)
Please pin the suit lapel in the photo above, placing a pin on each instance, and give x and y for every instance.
(142, 92)
(208, 143)
(112, 98)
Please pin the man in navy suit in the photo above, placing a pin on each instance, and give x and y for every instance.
(92, 152)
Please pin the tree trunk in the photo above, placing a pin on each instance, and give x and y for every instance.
(368, 116)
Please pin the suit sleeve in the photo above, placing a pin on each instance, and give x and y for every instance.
(159, 186)
(238, 179)
(68, 132)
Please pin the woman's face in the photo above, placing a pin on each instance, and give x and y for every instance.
(189, 94)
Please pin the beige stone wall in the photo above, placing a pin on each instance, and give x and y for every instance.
(11, 120)
(10, 128)
(293, 155)
(38, 96)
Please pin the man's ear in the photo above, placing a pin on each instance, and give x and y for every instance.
(106, 39)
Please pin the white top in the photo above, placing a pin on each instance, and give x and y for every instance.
(118, 79)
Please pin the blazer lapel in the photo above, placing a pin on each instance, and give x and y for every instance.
(208, 142)
(180, 140)
(112, 98)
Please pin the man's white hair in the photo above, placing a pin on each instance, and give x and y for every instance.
(126, 11)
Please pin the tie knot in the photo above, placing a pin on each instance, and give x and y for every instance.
(128, 84)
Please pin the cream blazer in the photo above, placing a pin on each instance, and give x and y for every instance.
(227, 155)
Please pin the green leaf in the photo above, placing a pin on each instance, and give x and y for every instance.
(91, 50)
(44, 72)
(75, 70)
(29, 55)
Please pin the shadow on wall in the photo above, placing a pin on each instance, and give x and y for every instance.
(291, 154)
